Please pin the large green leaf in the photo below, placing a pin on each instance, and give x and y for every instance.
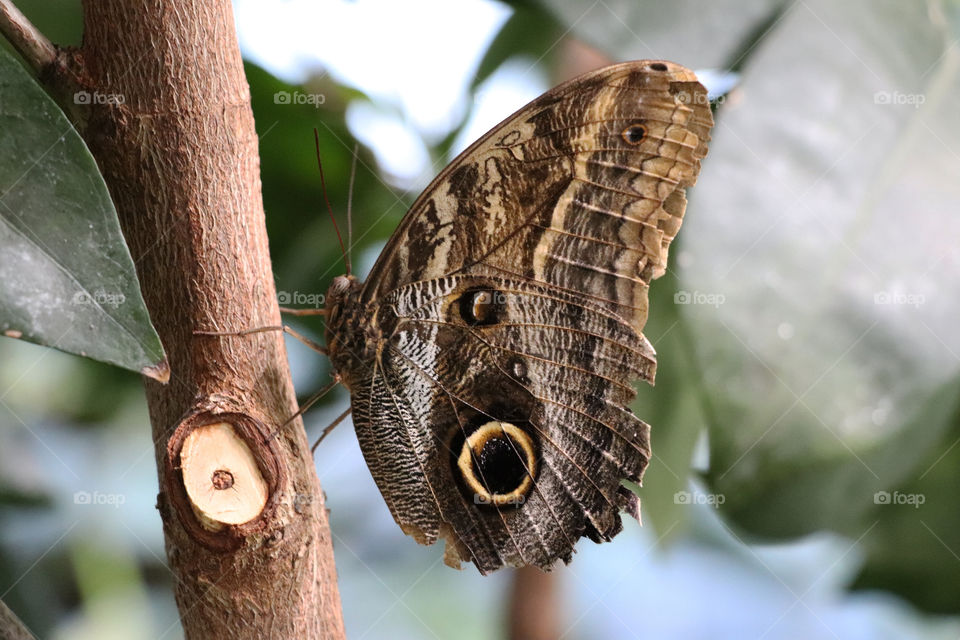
(66, 276)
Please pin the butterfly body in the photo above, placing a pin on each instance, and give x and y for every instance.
(491, 353)
(351, 340)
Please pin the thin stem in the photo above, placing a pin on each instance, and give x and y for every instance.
(36, 49)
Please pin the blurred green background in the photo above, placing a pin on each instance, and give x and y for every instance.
(805, 418)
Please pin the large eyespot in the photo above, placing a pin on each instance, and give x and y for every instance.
(482, 306)
(498, 463)
(634, 134)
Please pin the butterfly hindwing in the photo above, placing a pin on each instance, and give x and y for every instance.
(491, 354)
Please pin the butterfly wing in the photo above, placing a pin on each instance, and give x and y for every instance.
(507, 312)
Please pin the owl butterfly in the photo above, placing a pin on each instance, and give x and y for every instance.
(490, 354)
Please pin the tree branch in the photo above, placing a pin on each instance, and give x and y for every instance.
(25, 38)
(175, 140)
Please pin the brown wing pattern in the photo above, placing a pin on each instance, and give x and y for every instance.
(491, 354)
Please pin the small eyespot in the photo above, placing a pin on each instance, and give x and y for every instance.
(658, 66)
(480, 306)
(634, 134)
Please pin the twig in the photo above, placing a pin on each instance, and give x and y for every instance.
(36, 49)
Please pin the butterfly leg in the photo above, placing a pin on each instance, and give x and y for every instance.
(312, 400)
(305, 340)
(329, 428)
(303, 312)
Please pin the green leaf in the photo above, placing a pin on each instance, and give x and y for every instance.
(66, 277)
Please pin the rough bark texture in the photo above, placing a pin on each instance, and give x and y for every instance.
(180, 157)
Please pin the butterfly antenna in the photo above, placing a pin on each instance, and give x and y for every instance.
(323, 184)
(353, 174)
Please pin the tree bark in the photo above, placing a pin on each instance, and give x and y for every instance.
(171, 128)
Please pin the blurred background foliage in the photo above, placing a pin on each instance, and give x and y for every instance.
(805, 418)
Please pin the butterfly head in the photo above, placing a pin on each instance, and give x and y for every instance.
(348, 332)
(340, 290)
